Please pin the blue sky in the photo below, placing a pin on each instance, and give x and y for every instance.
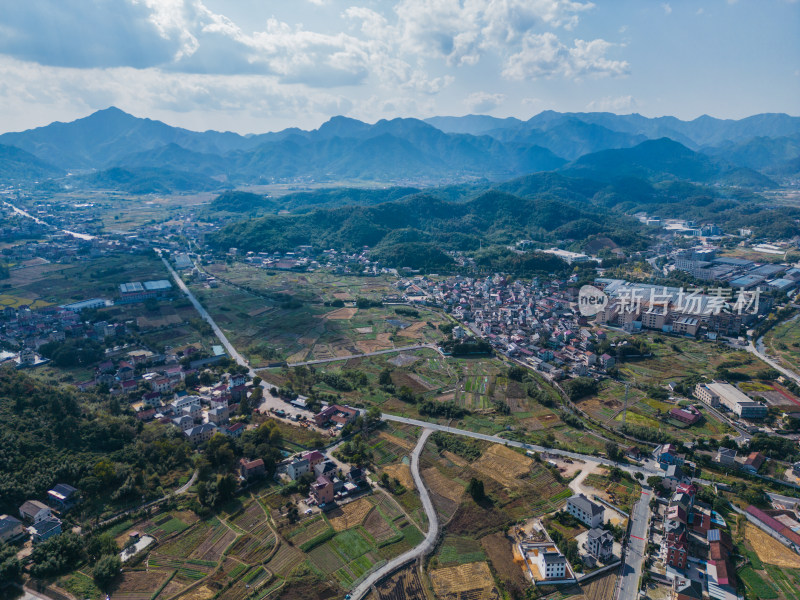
(261, 65)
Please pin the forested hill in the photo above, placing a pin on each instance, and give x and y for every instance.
(430, 223)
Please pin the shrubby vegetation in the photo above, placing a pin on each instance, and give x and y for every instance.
(51, 435)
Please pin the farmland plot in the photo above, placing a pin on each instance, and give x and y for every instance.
(471, 580)
(404, 585)
(381, 530)
(503, 465)
(285, 560)
(213, 546)
(251, 549)
(140, 585)
(350, 514)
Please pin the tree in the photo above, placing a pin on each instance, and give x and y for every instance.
(385, 377)
(257, 381)
(99, 545)
(613, 452)
(516, 373)
(10, 567)
(106, 570)
(476, 490)
(373, 416)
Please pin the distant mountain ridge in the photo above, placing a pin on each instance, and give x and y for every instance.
(431, 151)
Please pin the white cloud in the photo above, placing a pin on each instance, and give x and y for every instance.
(483, 102)
(615, 104)
(544, 55)
(667, 8)
(242, 99)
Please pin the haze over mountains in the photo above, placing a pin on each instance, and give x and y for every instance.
(111, 148)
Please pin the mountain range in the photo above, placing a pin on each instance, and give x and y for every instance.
(111, 148)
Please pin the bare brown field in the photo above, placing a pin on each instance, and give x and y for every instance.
(503, 465)
(441, 485)
(172, 588)
(770, 550)
(402, 473)
(285, 560)
(415, 330)
(378, 527)
(350, 515)
(341, 314)
(407, 444)
(498, 549)
(405, 585)
(346, 296)
(213, 547)
(201, 592)
(455, 459)
(139, 584)
(474, 579)
(401, 378)
(600, 588)
(381, 342)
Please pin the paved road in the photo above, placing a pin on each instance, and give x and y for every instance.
(204, 313)
(759, 352)
(430, 538)
(635, 552)
(645, 470)
(349, 356)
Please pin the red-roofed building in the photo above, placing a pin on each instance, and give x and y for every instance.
(336, 414)
(234, 430)
(146, 415)
(676, 546)
(753, 462)
(314, 458)
(250, 469)
(689, 415)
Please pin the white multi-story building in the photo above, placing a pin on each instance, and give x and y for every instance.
(727, 395)
(585, 511)
(551, 564)
(600, 543)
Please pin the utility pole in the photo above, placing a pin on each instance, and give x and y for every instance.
(625, 407)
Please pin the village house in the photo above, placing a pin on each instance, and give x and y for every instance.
(201, 433)
(297, 468)
(322, 490)
(586, 511)
(600, 544)
(250, 469)
(11, 529)
(45, 529)
(34, 511)
(335, 414)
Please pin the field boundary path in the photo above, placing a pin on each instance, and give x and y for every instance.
(349, 356)
(430, 538)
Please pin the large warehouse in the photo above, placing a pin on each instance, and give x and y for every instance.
(721, 393)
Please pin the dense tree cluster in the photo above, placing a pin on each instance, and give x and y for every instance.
(51, 435)
(581, 387)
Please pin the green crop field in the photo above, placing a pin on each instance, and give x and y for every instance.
(756, 584)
